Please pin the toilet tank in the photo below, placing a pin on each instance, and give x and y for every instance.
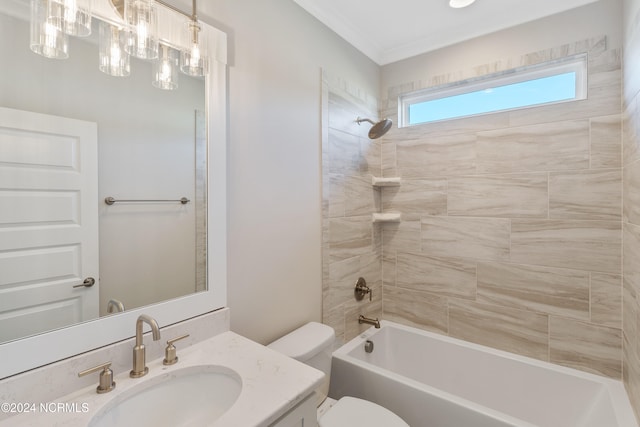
(311, 344)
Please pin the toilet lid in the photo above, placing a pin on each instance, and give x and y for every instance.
(352, 412)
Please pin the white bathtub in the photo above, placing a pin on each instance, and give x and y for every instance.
(431, 380)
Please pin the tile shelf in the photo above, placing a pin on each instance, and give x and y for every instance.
(385, 182)
(379, 183)
(386, 217)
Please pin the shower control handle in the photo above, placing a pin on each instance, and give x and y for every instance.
(362, 289)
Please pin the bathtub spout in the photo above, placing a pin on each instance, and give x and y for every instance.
(375, 322)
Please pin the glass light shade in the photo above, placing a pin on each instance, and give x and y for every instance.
(142, 18)
(194, 61)
(73, 17)
(165, 69)
(46, 39)
(114, 60)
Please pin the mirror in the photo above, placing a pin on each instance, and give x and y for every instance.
(151, 145)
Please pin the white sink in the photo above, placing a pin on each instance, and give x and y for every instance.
(193, 396)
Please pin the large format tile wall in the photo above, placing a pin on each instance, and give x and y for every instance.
(631, 212)
(351, 242)
(511, 231)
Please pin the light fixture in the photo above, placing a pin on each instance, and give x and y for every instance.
(457, 4)
(114, 60)
(165, 69)
(46, 39)
(52, 21)
(72, 17)
(142, 18)
(192, 61)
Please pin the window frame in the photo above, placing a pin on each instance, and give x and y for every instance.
(574, 63)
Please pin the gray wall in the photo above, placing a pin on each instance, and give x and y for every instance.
(277, 52)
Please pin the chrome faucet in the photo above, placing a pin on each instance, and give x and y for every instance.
(115, 305)
(139, 365)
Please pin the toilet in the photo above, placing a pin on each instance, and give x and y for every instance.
(312, 344)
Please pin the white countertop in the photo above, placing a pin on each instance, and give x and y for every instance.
(272, 384)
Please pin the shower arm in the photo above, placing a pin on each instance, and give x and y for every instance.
(360, 120)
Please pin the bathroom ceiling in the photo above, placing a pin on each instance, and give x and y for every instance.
(391, 31)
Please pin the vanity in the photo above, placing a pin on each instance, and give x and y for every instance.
(225, 380)
(137, 228)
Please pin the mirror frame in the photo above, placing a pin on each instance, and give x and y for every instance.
(38, 350)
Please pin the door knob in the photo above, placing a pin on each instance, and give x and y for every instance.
(87, 283)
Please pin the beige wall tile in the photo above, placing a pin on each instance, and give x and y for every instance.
(543, 147)
(462, 125)
(631, 265)
(389, 269)
(595, 194)
(590, 348)
(441, 276)
(344, 153)
(542, 289)
(414, 308)
(403, 236)
(370, 157)
(630, 132)
(631, 220)
(334, 317)
(360, 197)
(631, 193)
(477, 238)
(437, 156)
(606, 142)
(416, 197)
(630, 311)
(337, 196)
(517, 331)
(581, 245)
(505, 196)
(606, 300)
(349, 237)
(388, 161)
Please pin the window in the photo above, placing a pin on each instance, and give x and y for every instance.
(551, 82)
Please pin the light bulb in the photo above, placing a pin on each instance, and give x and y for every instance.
(46, 38)
(114, 60)
(165, 72)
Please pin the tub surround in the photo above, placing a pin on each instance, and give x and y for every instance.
(272, 383)
(510, 228)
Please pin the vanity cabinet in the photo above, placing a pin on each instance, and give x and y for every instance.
(302, 415)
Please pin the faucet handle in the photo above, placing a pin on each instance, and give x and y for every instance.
(362, 289)
(106, 377)
(170, 356)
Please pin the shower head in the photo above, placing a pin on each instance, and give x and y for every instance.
(378, 129)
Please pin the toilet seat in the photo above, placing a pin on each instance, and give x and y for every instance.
(351, 412)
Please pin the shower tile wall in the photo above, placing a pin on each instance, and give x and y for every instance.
(631, 213)
(351, 242)
(511, 232)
